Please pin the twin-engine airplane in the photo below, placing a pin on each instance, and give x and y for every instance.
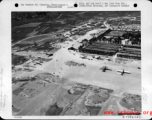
(121, 72)
(104, 68)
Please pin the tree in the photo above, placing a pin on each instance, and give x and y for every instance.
(47, 44)
(35, 44)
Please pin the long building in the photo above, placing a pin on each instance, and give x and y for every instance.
(130, 56)
(101, 48)
(99, 51)
(129, 51)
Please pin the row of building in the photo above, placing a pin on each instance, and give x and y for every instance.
(125, 24)
(103, 45)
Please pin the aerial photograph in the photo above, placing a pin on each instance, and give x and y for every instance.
(76, 63)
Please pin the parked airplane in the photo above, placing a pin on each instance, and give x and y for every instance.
(49, 54)
(104, 68)
(123, 71)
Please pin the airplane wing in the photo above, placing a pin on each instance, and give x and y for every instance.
(119, 71)
(127, 72)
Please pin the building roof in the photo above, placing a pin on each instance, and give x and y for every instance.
(134, 53)
(98, 49)
(132, 49)
(102, 47)
(106, 44)
(115, 33)
(132, 46)
(128, 54)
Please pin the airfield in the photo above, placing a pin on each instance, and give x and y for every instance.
(65, 82)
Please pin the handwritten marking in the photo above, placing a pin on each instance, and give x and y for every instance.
(144, 95)
(2, 97)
